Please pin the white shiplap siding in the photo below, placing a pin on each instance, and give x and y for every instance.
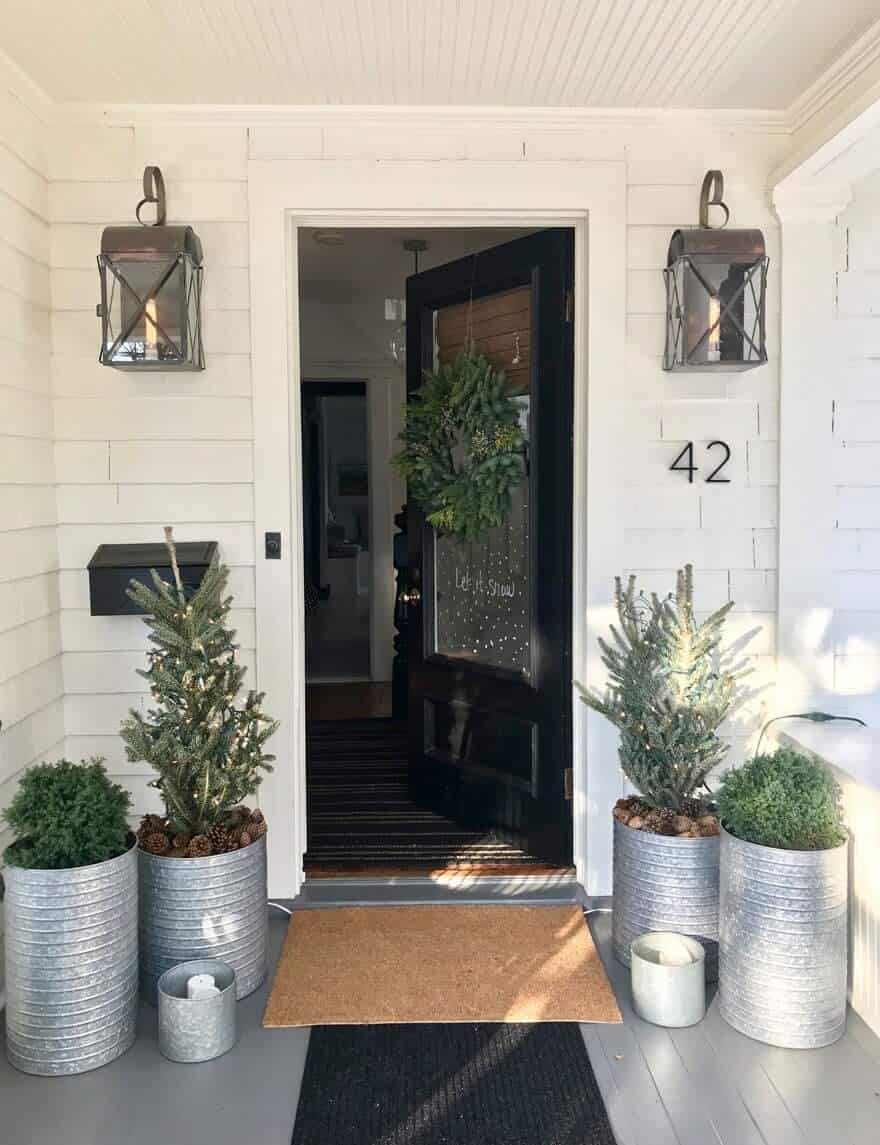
(31, 685)
(136, 453)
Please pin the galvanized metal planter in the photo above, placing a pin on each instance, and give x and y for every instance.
(204, 908)
(71, 965)
(196, 1030)
(663, 882)
(783, 943)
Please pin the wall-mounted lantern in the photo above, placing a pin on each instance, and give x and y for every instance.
(151, 284)
(716, 285)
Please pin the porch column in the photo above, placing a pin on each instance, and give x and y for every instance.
(808, 360)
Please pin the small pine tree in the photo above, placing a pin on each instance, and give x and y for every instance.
(207, 752)
(666, 691)
(67, 815)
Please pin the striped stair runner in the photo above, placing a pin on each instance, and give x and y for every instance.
(360, 813)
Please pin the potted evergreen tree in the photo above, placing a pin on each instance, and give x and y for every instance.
(667, 693)
(783, 935)
(203, 863)
(71, 935)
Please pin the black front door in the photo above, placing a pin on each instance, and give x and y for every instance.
(490, 629)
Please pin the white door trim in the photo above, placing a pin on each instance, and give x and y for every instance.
(286, 195)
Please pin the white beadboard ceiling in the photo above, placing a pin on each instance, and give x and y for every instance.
(743, 54)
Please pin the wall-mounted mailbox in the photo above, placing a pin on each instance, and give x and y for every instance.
(114, 566)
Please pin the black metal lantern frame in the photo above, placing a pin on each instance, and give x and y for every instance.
(151, 280)
(716, 288)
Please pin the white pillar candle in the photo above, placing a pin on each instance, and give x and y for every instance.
(201, 986)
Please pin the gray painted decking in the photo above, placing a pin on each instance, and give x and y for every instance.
(703, 1086)
(709, 1085)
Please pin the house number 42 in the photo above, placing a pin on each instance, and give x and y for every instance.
(684, 463)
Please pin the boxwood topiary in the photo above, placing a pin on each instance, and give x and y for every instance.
(782, 800)
(67, 815)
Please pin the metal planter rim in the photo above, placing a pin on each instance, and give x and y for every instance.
(793, 853)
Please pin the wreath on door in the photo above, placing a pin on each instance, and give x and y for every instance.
(464, 447)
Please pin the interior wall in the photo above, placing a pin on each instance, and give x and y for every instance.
(134, 454)
(30, 638)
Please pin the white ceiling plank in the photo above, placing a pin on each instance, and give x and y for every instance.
(743, 54)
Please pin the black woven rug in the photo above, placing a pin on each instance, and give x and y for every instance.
(450, 1085)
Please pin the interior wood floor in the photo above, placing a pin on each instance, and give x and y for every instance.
(351, 701)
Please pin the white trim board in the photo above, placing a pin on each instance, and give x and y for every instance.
(285, 195)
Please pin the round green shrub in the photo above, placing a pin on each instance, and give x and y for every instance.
(782, 800)
(67, 815)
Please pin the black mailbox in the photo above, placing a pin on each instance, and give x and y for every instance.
(113, 567)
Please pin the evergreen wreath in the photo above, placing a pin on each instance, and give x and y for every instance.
(464, 447)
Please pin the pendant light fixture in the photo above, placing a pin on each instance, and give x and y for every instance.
(395, 308)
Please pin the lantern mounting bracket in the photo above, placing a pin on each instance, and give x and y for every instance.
(713, 185)
(154, 192)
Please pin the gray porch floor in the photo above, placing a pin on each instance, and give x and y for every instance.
(703, 1086)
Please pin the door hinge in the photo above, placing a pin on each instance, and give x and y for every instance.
(569, 305)
(568, 783)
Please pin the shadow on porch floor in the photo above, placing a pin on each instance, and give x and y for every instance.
(704, 1086)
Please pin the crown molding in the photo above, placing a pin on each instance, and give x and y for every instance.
(273, 115)
(855, 65)
(25, 89)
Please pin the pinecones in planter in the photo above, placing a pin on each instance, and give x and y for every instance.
(199, 847)
(150, 824)
(245, 839)
(660, 820)
(156, 842)
(256, 829)
(221, 839)
(181, 841)
(257, 817)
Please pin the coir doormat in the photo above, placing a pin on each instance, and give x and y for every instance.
(462, 1084)
(443, 963)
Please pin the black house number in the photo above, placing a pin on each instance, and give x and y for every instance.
(684, 463)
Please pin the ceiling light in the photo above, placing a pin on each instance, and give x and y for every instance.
(329, 238)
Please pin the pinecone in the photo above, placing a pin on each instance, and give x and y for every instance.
(257, 817)
(693, 808)
(181, 841)
(150, 824)
(156, 842)
(199, 847)
(220, 839)
(243, 813)
(660, 821)
(244, 839)
(256, 830)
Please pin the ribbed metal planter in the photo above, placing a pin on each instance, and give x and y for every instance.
(783, 943)
(662, 882)
(71, 965)
(204, 908)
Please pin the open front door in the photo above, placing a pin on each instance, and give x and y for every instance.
(490, 633)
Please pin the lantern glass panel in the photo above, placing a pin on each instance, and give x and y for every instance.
(715, 313)
(151, 311)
